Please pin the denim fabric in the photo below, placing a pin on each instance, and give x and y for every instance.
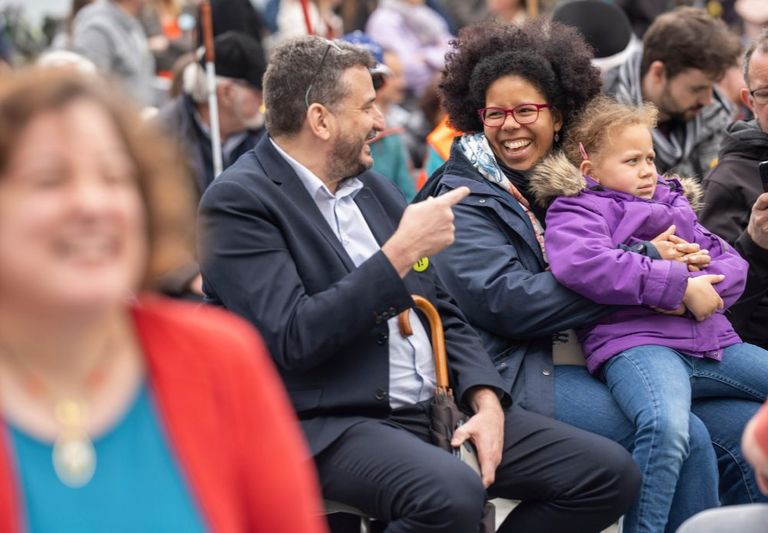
(726, 419)
(654, 387)
(583, 401)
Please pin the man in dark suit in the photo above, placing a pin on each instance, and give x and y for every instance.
(322, 256)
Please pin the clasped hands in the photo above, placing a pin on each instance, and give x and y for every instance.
(700, 297)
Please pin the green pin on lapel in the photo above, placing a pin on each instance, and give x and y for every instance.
(421, 265)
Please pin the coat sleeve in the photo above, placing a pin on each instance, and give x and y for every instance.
(584, 258)
(486, 274)
(246, 264)
(726, 261)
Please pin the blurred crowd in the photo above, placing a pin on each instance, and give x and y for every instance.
(149, 45)
(140, 162)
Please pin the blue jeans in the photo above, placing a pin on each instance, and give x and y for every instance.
(583, 401)
(654, 387)
(725, 418)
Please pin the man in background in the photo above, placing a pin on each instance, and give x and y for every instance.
(685, 53)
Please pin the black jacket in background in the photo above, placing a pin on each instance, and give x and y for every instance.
(730, 190)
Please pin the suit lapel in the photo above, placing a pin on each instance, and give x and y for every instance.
(279, 171)
(379, 223)
(382, 226)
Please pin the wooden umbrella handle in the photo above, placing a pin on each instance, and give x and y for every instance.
(438, 337)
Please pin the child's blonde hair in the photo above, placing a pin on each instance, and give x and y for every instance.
(600, 119)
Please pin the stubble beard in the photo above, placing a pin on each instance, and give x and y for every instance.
(345, 160)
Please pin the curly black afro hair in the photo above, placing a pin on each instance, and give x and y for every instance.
(552, 57)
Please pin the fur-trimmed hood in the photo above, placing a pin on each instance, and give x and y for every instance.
(557, 176)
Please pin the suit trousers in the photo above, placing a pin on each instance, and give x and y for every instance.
(568, 480)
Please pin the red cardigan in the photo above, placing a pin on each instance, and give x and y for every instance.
(228, 420)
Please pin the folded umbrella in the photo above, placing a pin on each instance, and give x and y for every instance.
(445, 416)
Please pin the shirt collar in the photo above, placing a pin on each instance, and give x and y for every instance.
(314, 185)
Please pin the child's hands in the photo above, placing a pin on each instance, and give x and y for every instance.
(692, 254)
(701, 298)
(697, 260)
(679, 311)
(667, 249)
(673, 248)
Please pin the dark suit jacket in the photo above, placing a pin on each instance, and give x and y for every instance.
(269, 255)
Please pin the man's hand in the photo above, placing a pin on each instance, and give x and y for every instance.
(758, 221)
(425, 229)
(701, 298)
(486, 430)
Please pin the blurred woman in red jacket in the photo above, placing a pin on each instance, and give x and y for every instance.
(123, 412)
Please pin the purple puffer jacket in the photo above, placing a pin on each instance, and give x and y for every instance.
(585, 226)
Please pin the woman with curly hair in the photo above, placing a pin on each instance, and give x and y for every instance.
(515, 91)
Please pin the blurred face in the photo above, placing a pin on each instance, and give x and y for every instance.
(758, 86)
(72, 222)
(683, 96)
(625, 163)
(518, 146)
(246, 106)
(358, 120)
(504, 8)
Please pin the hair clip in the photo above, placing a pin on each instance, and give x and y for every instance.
(583, 152)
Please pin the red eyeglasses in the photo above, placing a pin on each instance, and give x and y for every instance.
(494, 117)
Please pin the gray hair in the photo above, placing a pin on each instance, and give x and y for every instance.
(294, 67)
(758, 43)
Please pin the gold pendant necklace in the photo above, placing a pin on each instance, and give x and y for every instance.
(74, 457)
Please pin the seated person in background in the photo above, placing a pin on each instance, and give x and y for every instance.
(685, 53)
(240, 65)
(733, 186)
(109, 34)
(129, 412)
(299, 239)
(671, 342)
(747, 313)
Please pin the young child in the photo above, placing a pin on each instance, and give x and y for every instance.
(669, 341)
